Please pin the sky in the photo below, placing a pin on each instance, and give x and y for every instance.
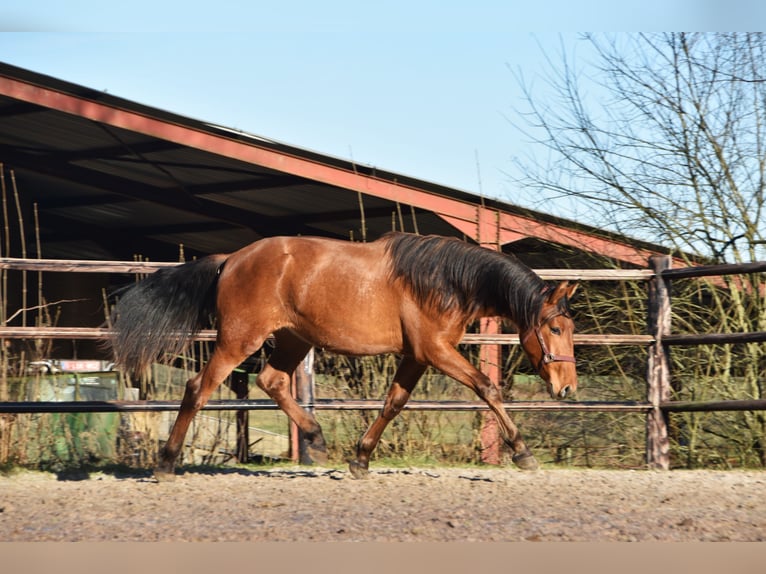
(427, 89)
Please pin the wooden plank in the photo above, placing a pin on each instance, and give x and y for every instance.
(595, 274)
(82, 266)
(617, 339)
(99, 266)
(658, 366)
(210, 335)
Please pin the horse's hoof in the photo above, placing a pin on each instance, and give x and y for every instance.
(164, 475)
(525, 461)
(317, 455)
(358, 470)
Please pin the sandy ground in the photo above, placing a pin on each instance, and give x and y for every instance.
(447, 504)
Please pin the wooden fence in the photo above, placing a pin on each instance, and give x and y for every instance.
(657, 406)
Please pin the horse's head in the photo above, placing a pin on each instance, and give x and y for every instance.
(549, 342)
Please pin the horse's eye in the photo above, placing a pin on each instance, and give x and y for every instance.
(555, 330)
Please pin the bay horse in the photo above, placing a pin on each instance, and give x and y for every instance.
(403, 293)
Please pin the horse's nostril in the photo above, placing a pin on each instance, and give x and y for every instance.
(564, 392)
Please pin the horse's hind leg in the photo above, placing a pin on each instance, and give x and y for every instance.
(198, 391)
(405, 379)
(275, 378)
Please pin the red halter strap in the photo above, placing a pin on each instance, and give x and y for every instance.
(547, 357)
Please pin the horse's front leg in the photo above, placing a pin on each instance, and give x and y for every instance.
(452, 363)
(405, 379)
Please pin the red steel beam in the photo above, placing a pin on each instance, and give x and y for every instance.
(463, 215)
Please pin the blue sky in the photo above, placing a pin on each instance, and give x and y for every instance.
(425, 89)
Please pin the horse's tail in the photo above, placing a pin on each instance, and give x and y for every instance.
(158, 316)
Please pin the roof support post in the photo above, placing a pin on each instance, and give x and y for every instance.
(487, 235)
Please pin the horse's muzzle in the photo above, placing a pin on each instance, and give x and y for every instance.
(563, 393)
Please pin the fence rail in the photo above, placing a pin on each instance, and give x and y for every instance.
(319, 404)
(714, 270)
(210, 334)
(656, 408)
(469, 339)
(41, 407)
(93, 266)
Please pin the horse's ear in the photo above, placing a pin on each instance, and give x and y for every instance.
(563, 289)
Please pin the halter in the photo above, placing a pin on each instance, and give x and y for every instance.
(547, 356)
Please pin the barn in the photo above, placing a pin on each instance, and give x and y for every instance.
(103, 178)
(91, 176)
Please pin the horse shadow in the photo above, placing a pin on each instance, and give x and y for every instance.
(124, 472)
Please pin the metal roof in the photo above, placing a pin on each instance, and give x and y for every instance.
(113, 178)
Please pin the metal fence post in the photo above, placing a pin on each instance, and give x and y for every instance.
(239, 384)
(304, 394)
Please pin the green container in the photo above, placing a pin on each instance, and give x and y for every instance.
(68, 437)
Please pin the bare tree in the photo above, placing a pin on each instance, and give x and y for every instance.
(663, 137)
(669, 143)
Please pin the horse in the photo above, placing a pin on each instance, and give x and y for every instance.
(403, 293)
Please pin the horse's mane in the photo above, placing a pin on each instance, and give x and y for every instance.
(452, 275)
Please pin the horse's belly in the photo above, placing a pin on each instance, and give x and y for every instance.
(357, 336)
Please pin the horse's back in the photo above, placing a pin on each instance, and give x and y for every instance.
(335, 294)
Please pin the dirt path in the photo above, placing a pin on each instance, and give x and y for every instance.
(392, 505)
